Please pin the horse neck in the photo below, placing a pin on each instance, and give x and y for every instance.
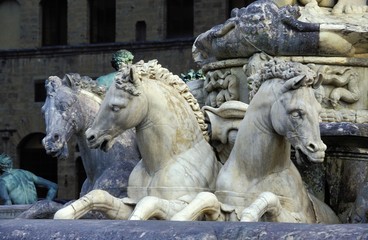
(91, 158)
(167, 130)
(263, 149)
(89, 104)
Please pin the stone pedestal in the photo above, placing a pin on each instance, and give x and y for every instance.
(346, 164)
(113, 229)
(12, 211)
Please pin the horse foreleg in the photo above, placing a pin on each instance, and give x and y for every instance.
(205, 203)
(98, 200)
(154, 207)
(266, 202)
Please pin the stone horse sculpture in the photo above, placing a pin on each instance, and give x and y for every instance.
(69, 109)
(259, 181)
(177, 161)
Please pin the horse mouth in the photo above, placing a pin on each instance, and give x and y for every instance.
(306, 159)
(104, 146)
(58, 153)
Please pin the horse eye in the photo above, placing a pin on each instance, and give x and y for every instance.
(63, 107)
(115, 108)
(296, 114)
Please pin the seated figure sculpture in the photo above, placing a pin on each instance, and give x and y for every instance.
(120, 60)
(18, 186)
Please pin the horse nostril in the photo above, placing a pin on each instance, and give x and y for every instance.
(91, 138)
(312, 147)
(56, 137)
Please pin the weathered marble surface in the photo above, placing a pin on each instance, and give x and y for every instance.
(114, 230)
(346, 167)
(69, 109)
(263, 26)
(177, 161)
(12, 211)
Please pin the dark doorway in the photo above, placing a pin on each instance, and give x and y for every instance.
(81, 174)
(33, 158)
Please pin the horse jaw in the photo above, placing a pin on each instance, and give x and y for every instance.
(56, 149)
(304, 156)
(103, 141)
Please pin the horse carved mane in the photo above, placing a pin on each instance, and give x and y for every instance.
(151, 70)
(76, 82)
(280, 69)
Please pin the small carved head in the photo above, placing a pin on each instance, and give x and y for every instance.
(6, 163)
(121, 58)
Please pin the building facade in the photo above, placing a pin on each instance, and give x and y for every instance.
(41, 38)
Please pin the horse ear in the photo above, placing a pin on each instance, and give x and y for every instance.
(52, 83)
(68, 80)
(293, 83)
(133, 76)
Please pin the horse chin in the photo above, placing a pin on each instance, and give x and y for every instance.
(307, 159)
(60, 154)
(107, 144)
(301, 158)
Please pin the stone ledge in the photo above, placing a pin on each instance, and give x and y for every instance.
(113, 229)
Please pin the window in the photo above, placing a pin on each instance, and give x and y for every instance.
(179, 18)
(102, 21)
(39, 91)
(54, 23)
(140, 31)
(238, 4)
(10, 24)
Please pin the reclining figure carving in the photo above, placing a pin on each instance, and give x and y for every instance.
(277, 29)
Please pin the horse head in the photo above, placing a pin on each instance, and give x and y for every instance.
(62, 115)
(123, 107)
(295, 115)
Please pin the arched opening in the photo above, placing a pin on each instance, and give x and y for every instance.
(10, 24)
(102, 21)
(33, 158)
(54, 22)
(140, 31)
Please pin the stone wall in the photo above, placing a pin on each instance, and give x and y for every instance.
(25, 63)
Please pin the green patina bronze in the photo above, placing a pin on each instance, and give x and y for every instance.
(120, 59)
(18, 186)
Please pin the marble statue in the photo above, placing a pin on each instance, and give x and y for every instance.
(286, 49)
(223, 125)
(331, 37)
(18, 186)
(177, 161)
(69, 109)
(278, 29)
(259, 182)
